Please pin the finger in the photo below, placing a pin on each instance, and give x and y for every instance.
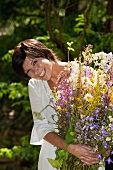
(91, 154)
(88, 148)
(89, 159)
(88, 162)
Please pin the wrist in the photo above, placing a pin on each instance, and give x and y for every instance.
(71, 148)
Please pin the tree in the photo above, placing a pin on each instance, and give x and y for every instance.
(109, 21)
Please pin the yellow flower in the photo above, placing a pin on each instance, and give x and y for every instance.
(89, 98)
(104, 89)
(72, 133)
(59, 108)
(78, 98)
(92, 80)
(111, 94)
(79, 107)
(111, 98)
(90, 109)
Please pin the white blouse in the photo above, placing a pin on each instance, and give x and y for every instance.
(44, 121)
(40, 96)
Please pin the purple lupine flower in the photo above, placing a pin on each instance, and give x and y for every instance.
(83, 120)
(90, 118)
(103, 122)
(105, 133)
(103, 103)
(90, 124)
(106, 107)
(96, 116)
(112, 108)
(84, 128)
(105, 144)
(100, 138)
(97, 110)
(99, 156)
(96, 126)
(79, 137)
(109, 160)
(105, 96)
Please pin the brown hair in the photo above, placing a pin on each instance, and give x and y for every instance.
(33, 49)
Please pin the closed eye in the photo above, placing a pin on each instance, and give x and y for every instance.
(26, 72)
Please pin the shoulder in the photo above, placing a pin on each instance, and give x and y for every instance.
(35, 85)
(33, 82)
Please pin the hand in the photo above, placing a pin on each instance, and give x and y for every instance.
(84, 153)
(107, 153)
(63, 75)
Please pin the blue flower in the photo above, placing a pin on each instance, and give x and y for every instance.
(90, 118)
(111, 152)
(109, 160)
(105, 144)
(111, 128)
(97, 110)
(105, 133)
(99, 156)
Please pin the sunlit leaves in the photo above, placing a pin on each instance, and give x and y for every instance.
(16, 92)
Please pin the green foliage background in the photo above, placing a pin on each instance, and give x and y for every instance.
(81, 21)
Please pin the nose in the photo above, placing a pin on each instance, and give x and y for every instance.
(36, 70)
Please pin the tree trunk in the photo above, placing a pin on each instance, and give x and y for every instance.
(109, 22)
(56, 40)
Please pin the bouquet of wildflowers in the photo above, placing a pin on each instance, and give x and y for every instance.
(84, 105)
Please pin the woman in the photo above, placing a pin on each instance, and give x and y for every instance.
(34, 61)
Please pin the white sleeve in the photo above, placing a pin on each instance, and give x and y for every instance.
(41, 124)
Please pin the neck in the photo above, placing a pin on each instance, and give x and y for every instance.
(57, 68)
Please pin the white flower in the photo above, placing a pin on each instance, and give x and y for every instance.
(103, 60)
(108, 139)
(110, 118)
(102, 78)
(74, 73)
(88, 97)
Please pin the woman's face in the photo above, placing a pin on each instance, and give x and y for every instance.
(38, 68)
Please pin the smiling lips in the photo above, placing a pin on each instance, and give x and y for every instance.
(42, 73)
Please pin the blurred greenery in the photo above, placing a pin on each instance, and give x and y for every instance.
(53, 23)
(24, 152)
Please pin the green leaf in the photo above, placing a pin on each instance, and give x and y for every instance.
(61, 153)
(69, 139)
(54, 163)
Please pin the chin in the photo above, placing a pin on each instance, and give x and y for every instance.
(47, 78)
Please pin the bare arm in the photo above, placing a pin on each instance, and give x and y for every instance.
(83, 152)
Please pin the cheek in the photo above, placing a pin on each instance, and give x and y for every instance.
(31, 74)
(50, 68)
(47, 64)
